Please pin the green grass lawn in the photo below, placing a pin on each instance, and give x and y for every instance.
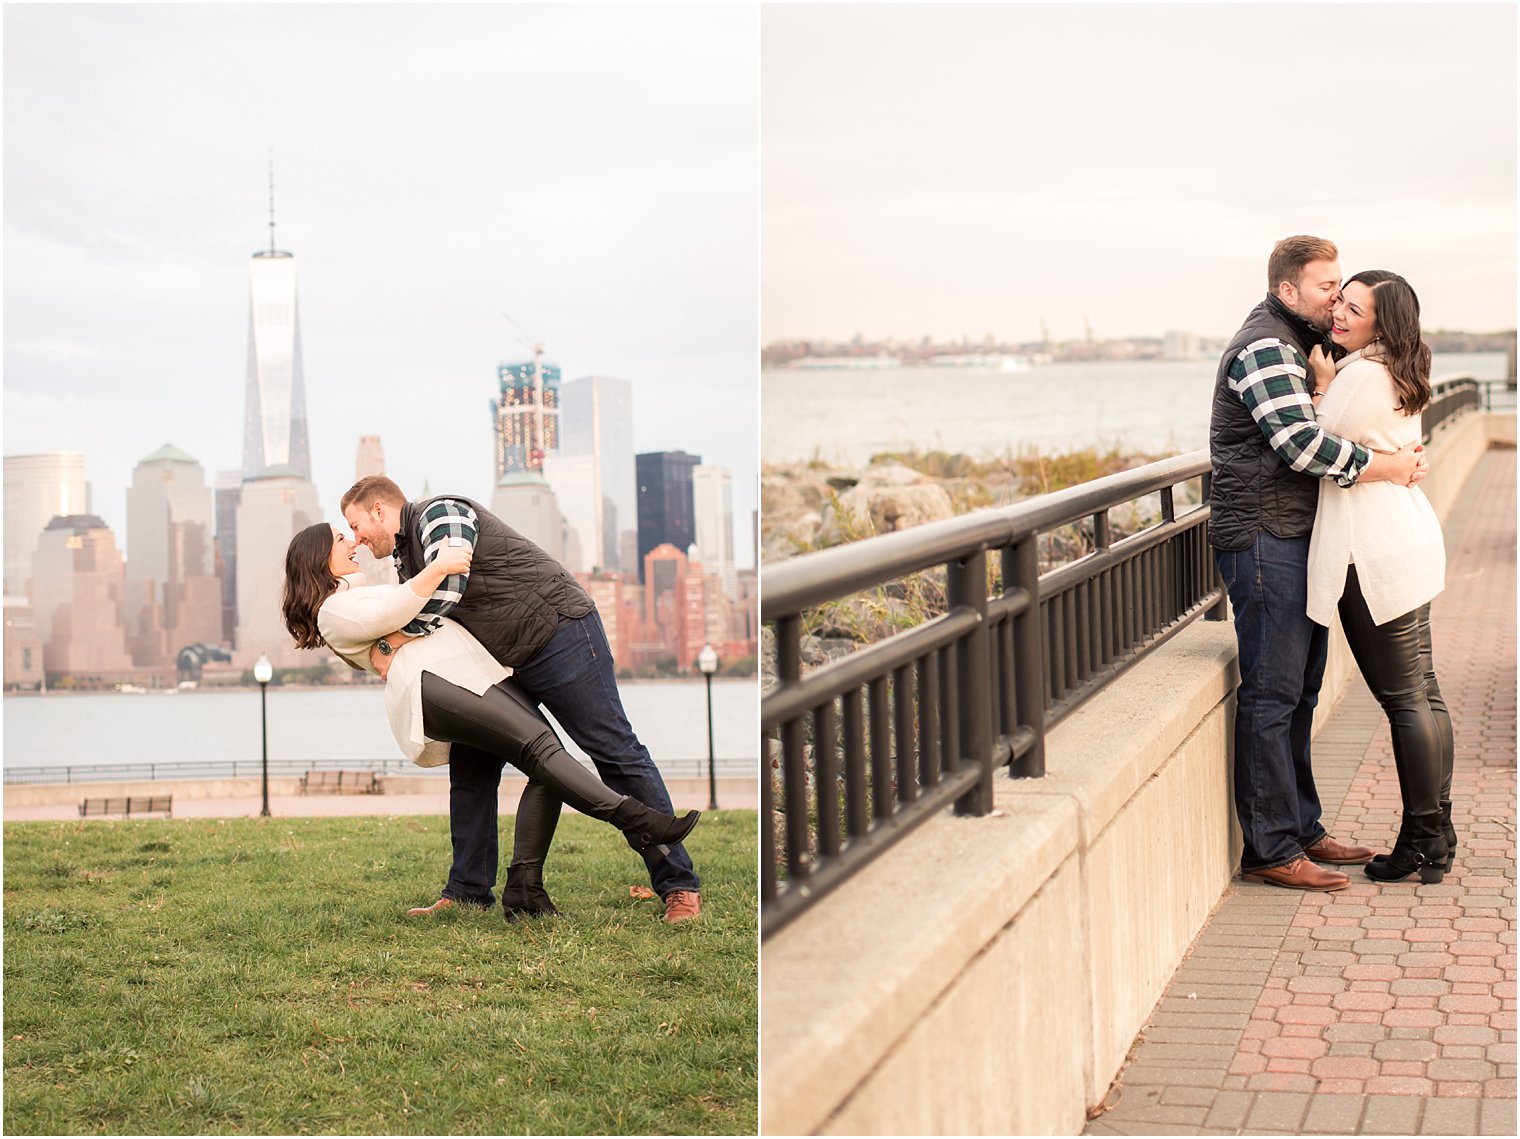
(260, 976)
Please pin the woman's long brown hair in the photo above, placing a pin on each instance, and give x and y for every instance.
(1396, 317)
(309, 581)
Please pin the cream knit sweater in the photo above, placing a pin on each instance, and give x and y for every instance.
(1389, 532)
(357, 616)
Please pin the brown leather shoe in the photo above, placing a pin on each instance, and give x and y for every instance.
(1300, 874)
(437, 907)
(682, 905)
(1338, 854)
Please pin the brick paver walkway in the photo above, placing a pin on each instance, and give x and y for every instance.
(1384, 1008)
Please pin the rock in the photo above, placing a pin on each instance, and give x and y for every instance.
(822, 650)
(888, 497)
(902, 507)
(890, 474)
(788, 539)
(785, 495)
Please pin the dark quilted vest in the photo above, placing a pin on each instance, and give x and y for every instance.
(1254, 490)
(516, 594)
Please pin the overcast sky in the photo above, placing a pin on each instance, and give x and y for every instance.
(972, 169)
(591, 170)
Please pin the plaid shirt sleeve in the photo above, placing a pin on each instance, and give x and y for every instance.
(1271, 379)
(444, 521)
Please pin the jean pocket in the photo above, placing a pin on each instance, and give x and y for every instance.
(1227, 562)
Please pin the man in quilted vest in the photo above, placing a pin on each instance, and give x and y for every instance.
(1268, 454)
(532, 615)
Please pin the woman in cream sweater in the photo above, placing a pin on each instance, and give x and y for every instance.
(446, 688)
(1377, 557)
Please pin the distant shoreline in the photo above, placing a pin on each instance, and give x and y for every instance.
(54, 692)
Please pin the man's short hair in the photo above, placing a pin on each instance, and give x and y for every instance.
(370, 488)
(1291, 254)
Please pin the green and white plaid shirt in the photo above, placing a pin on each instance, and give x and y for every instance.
(1271, 377)
(443, 523)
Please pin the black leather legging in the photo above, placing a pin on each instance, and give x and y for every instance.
(1396, 661)
(504, 723)
(1437, 702)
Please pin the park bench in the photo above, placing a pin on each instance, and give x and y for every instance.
(129, 805)
(340, 783)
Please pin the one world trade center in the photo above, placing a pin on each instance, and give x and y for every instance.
(274, 428)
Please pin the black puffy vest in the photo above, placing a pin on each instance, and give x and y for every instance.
(1254, 490)
(516, 594)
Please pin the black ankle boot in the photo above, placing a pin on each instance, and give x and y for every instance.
(647, 829)
(1420, 847)
(524, 895)
(1450, 833)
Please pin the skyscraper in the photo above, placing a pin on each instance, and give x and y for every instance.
(23, 647)
(273, 508)
(38, 488)
(171, 562)
(525, 415)
(713, 504)
(77, 597)
(665, 500)
(572, 485)
(167, 495)
(597, 424)
(274, 427)
(277, 498)
(369, 459)
(525, 501)
(229, 492)
(674, 610)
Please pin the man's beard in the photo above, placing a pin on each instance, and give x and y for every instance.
(1320, 320)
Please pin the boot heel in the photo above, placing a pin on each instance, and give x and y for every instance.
(1431, 873)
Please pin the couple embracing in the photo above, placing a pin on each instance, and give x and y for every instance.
(484, 628)
(1314, 440)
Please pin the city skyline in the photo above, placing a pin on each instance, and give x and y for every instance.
(608, 213)
(1093, 164)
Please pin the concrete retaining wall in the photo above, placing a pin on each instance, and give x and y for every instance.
(739, 791)
(47, 794)
(987, 976)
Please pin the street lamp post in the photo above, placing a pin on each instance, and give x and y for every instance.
(263, 672)
(707, 661)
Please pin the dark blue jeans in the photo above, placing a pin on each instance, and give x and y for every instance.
(1282, 664)
(573, 678)
(474, 782)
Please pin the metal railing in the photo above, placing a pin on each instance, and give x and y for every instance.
(249, 768)
(876, 743)
(191, 769)
(1456, 395)
(1448, 399)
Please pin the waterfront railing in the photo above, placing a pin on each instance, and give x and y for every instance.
(1457, 395)
(872, 745)
(250, 768)
(865, 748)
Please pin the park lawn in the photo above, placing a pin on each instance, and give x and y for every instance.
(260, 976)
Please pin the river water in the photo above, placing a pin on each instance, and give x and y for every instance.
(328, 724)
(1154, 406)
